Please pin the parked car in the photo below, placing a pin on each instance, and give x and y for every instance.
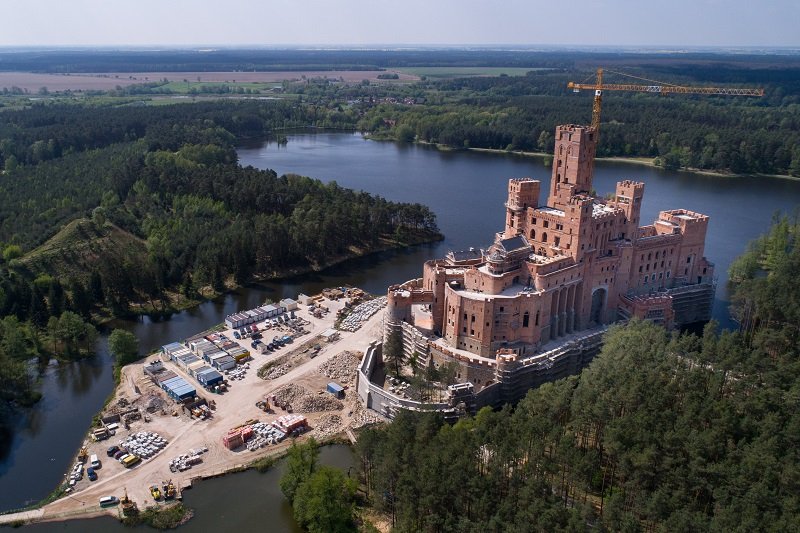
(112, 450)
(236, 335)
(91, 474)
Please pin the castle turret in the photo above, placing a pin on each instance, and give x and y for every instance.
(522, 194)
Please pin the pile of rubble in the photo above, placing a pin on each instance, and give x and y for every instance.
(276, 371)
(152, 402)
(327, 426)
(290, 393)
(314, 403)
(361, 314)
(364, 417)
(342, 367)
(306, 402)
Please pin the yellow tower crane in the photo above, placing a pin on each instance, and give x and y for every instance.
(659, 88)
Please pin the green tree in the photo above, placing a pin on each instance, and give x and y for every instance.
(124, 346)
(12, 251)
(393, 351)
(324, 503)
(301, 462)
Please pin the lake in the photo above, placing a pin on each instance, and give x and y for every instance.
(465, 189)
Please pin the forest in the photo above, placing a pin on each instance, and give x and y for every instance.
(111, 211)
(742, 135)
(662, 432)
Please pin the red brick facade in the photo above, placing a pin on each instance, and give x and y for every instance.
(575, 262)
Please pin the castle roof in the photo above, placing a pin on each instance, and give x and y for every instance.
(513, 244)
(465, 255)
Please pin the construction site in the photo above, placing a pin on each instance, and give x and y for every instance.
(180, 415)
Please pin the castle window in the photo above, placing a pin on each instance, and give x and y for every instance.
(544, 237)
(465, 316)
(525, 319)
(546, 224)
(667, 273)
(537, 318)
(688, 260)
(704, 270)
(473, 318)
(533, 234)
(649, 257)
(556, 240)
(662, 264)
(465, 329)
(656, 255)
(501, 309)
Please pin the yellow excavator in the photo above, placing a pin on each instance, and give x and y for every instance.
(168, 489)
(129, 507)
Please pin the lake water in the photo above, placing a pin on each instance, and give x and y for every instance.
(247, 501)
(465, 189)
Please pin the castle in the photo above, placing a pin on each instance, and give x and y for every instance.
(532, 306)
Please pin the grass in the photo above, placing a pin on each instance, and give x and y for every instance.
(162, 517)
(183, 87)
(464, 72)
(78, 246)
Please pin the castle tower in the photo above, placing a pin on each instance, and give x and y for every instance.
(573, 163)
(522, 194)
(628, 197)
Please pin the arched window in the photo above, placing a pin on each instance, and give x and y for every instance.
(544, 237)
(533, 234)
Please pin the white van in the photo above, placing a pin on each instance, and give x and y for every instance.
(95, 462)
(107, 501)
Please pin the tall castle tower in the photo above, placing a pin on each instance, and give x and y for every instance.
(573, 163)
(522, 194)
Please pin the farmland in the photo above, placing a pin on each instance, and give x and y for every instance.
(183, 81)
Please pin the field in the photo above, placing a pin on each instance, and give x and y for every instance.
(177, 81)
(464, 72)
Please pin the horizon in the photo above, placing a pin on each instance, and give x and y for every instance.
(359, 23)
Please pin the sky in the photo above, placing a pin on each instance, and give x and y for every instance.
(675, 23)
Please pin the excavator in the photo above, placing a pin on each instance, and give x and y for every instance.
(655, 87)
(168, 490)
(129, 507)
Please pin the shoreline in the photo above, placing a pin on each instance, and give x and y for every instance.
(276, 276)
(643, 161)
(59, 506)
(632, 160)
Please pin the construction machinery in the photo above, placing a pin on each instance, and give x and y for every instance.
(129, 507)
(168, 489)
(657, 88)
(155, 492)
(264, 405)
(83, 454)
